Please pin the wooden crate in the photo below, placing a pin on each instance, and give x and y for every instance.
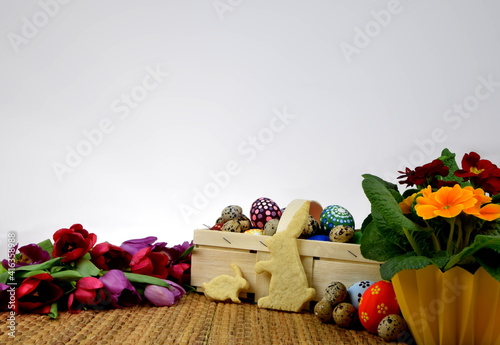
(323, 262)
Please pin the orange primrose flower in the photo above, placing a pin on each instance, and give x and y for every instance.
(487, 212)
(447, 202)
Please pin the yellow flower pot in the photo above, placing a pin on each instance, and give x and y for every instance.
(454, 307)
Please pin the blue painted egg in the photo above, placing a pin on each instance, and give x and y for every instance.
(319, 238)
(356, 290)
(334, 215)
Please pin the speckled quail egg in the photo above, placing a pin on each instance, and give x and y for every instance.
(312, 228)
(323, 310)
(271, 226)
(391, 327)
(232, 226)
(231, 212)
(245, 223)
(345, 315)
(341, 233)
(336, 293)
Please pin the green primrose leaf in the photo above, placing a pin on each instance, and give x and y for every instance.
(43, 266)
(86, 268)
(480, 242)
(376, 246)
(489, 259)
(441, 258)
(383, 201)
(47, 246)
(144, 279)
(404, 262)
(67, 275)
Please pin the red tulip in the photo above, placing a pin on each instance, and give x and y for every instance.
(89, 293)
(108, 257)
(149, 263)
(37, 293)
(72, 243)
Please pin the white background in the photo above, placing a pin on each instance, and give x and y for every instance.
(368, 87)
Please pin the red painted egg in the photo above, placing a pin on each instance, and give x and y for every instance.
(378, 301)
(263, 210)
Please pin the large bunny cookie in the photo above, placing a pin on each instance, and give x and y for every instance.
(288, 288)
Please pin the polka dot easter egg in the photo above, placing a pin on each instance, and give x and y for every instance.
(356, 291)
(334, 215)
(263, 210)
(378, 301)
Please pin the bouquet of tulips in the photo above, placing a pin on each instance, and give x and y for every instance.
(74, 273)
(448, 216)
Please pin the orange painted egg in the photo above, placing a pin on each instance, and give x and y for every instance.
(378, 301)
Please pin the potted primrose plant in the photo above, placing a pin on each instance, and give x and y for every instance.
(439, 241)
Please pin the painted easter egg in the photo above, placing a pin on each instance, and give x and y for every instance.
(378, 301)
(334, 215)
(356, 291)
(324, 238)
(263, 210)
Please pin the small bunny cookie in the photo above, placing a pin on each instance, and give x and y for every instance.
(288, 288)
(224, 287)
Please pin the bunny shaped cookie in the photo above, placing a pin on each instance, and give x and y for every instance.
(288, 288)
(225, 287)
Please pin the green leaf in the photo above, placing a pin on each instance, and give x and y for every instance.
(67, 275)
(490, 260)
(186, 252)
(480, 242)
(383, 201)
(4, 276)
(86, 268)
(26, 274)
(404, 262)
(144, 279)
(376, 246)
(54, 311)
(43, 266)
(441, 259)
(47, 246)
(448, 158)
(366, 222)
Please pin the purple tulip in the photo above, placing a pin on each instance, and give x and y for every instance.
(133, 246)
(4, 296)
(29, 255)
(119, 289)
(164, 296)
